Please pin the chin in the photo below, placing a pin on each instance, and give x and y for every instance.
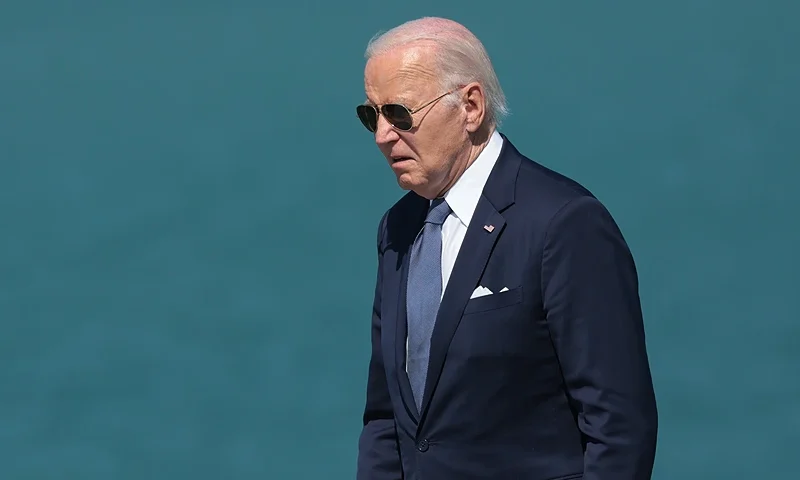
(420, 188)
(409, 179)
(405, 184)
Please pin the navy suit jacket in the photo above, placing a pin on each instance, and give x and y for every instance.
(547, 380)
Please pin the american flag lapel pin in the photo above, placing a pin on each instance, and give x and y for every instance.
(488, 228)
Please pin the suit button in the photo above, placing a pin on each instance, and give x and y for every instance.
(423, 446)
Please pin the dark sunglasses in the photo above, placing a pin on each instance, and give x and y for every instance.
(399, 116)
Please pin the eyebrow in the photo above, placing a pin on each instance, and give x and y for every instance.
(401, 99)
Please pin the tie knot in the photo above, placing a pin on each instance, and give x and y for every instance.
(438, 211)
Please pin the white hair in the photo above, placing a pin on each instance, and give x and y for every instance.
(460, 58)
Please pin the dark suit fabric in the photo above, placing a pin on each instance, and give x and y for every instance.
(548, 380)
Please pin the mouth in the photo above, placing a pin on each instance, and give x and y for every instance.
(399, 159)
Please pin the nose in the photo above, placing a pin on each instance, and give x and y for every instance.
(384, 133)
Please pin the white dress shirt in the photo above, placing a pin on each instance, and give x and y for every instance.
(463, 198)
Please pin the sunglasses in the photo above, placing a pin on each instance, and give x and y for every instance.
(399, 116)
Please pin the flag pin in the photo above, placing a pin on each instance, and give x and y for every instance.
(488, 228)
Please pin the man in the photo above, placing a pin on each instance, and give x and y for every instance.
(507, 332)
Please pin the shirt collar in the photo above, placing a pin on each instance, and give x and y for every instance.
(464, 195)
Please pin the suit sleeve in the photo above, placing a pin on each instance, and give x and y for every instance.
(591, 299)
(378, 449)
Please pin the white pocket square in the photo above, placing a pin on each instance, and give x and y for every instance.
(483, 291)
(480, 292)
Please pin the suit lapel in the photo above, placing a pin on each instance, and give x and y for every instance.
(470, 263)
(485, 228)
(417, 219)
(401, 334)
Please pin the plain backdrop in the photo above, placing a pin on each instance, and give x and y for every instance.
(188, 208)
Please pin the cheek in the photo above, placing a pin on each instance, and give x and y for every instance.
(433, 164)
(433, 148)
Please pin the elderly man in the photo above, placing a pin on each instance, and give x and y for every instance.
(507, 332)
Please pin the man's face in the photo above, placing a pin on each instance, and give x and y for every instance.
(423, 158)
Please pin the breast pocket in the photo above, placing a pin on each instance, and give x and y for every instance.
(494, 301)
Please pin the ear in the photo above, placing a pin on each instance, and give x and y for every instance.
(475, 106)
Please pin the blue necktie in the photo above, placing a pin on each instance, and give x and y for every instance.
(423, 295)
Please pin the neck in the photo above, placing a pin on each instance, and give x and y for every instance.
(478, 141)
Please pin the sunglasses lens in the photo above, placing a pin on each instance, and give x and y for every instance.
(368, 116)
(398, 116)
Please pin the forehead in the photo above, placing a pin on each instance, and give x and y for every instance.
(400, 75)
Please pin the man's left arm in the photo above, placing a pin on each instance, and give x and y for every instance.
(591, 299)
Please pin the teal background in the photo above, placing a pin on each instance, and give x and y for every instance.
(189, 206)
